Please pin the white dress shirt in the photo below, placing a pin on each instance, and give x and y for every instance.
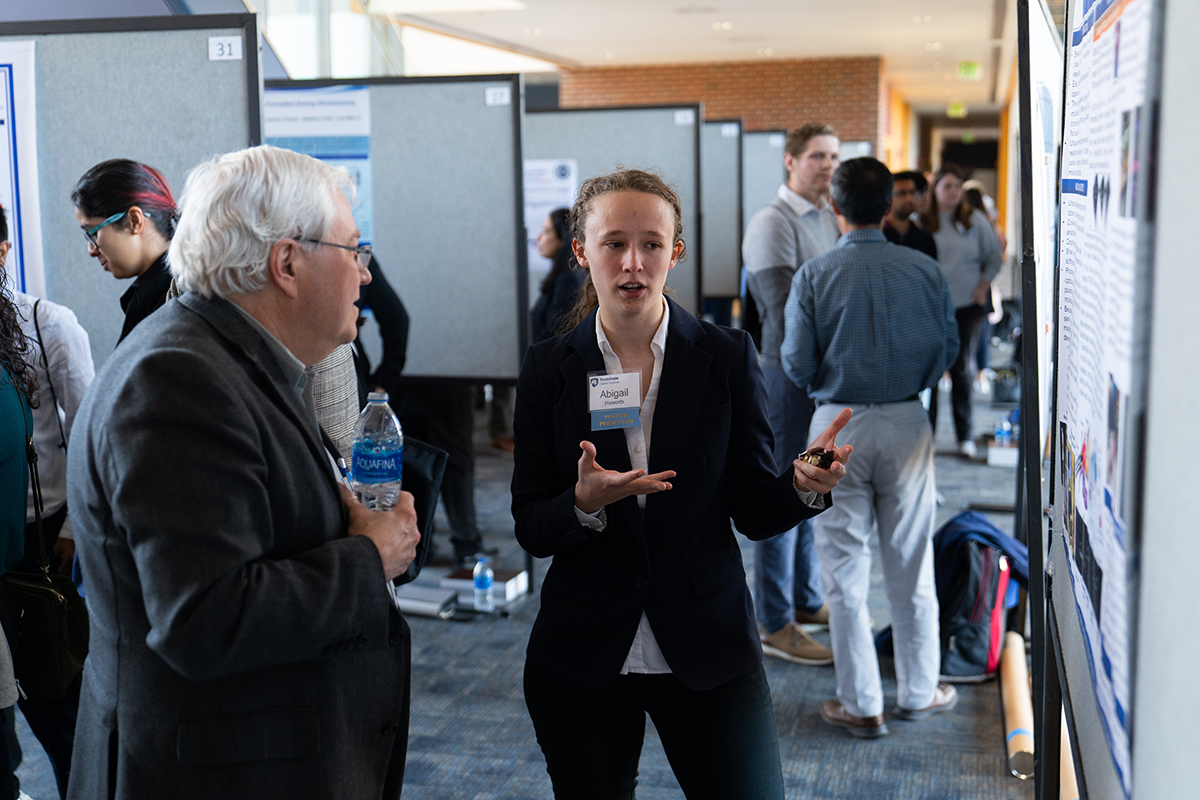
(69, 355)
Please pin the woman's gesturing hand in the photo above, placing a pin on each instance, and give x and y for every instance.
(597, 487)
(814, 479)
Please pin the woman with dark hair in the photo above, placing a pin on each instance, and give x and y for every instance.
(128, 216)
(560, 288)
(18, 386)
(645, 609)
(970, 256)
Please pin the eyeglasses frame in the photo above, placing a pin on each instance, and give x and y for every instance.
(363, 251)
(90, 233)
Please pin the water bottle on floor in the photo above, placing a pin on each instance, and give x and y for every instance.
(378, 455)
(483, 586)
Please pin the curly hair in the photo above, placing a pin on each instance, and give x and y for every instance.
(622, 180)
(16, 351)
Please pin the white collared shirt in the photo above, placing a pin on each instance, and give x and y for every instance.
(645, 656)
(797, 203)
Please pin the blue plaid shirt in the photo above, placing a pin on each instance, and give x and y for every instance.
(868, 322)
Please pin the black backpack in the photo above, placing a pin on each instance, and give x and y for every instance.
(973, 562)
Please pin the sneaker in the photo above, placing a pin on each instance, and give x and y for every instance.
(967, 449)
(792, 643)
(814, 620)
(833, 712)
(945, 697)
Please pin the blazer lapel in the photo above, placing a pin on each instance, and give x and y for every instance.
(680, 391)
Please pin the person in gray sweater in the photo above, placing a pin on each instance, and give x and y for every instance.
(970, 255)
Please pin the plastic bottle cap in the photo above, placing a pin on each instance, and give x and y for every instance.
(377, 397)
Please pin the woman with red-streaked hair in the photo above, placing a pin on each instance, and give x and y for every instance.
(128, 216)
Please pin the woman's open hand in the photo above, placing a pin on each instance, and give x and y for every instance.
(814, 479)
(597, 487)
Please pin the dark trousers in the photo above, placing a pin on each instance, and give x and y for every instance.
(970, 323)
(442, 414)
(721, 743)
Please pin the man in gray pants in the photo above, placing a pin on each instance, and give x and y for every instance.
(869, 325)
(795, 226)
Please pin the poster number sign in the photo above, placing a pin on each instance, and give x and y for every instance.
(224, 48)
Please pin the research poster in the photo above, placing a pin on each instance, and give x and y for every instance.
(333, 124)
(550, 183)
(18, 167)
(1106, 115)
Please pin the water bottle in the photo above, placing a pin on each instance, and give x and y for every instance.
(1004, 433)
(377, 459)
(483, 586)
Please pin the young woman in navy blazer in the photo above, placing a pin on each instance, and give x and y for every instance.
(645, 608)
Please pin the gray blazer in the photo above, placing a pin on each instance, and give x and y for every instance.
(241, 644)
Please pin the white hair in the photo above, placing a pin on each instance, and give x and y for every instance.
(235, 207)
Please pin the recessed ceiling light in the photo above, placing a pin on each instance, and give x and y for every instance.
(917, 20)
(537, 31)
(610, 55)
(722, 26)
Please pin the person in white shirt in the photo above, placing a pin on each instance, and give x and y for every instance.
(645, 608)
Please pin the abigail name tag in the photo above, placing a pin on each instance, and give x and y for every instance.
(614, 400)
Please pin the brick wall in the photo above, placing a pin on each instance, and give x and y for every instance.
(847, 93)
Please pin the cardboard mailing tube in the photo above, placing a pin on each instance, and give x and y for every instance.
(1018, 706)
(1068, 787)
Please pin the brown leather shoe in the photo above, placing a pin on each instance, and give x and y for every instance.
(945, 697)
(792, 644)
(836, 714)
(813, 620)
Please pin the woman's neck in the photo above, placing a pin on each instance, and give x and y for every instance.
(631, 336)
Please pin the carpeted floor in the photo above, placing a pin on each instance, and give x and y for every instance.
(471, 739)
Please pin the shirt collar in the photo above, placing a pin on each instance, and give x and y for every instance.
(294, 371)
(797, 203)
(658, 343)
(861, 235)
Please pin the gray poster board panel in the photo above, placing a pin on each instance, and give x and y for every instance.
(762, 170)
(128, 88)
(721, 206)
(600, 139)
(446, 174)
(1165, 699)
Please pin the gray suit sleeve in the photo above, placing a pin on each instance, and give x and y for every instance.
(227, 585)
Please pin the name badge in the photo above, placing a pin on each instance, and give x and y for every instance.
(614, 400)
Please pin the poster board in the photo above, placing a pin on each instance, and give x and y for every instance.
(149, 92)
(664, 139)
(762, 170)
(721, 206)
(443, 157)
(1102, 349)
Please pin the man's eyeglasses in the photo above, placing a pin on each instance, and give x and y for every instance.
(90, 233)
(364, 252)
(908, 193)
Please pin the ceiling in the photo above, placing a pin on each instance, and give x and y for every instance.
(922, 42)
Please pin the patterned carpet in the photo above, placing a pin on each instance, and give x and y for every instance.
(471, 739)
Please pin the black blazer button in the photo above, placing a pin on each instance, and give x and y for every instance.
(643, 584)
(395, 638)
(390, 730)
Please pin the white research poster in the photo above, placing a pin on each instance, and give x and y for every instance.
(550, 183)
(1106, 115)
(18, 167)
(333, 124)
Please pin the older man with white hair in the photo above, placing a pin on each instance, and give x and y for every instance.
(244, 639)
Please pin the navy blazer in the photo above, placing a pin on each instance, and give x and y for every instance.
(679, 562)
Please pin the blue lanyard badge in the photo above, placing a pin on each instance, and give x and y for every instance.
(614, 400)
